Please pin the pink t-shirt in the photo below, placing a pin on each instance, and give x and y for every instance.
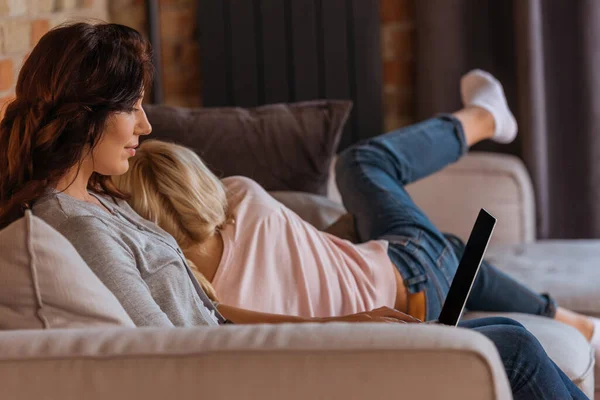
(273, 261)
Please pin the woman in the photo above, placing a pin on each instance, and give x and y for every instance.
(75, 122)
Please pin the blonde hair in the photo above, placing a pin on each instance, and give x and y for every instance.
(171, 186)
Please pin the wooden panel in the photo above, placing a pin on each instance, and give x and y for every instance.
(368, 68)
(274, 51)
(304, 50)
(216, 89)
(244, 53)
(336, 66)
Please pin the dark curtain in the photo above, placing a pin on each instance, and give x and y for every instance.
(547, 55)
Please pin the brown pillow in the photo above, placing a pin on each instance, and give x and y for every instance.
(281, 146)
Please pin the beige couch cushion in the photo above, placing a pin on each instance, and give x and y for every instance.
(567, 269)
(564, 344)
(44, 283)
(335, 361)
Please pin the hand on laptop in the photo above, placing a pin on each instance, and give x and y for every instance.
(382, 314)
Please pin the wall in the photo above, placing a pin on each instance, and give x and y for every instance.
(23, 22)
(180, 52)
(397, 37)
(179, 46)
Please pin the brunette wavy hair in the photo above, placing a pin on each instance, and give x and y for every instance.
(73, 80)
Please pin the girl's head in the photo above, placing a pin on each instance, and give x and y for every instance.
(169, 185)
(77, 108)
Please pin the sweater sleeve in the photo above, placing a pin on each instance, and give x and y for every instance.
(114, 264)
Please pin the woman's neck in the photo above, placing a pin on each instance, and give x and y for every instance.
(75, 182)
(207, 255)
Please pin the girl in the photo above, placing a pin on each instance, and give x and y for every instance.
(253, 252)
(76, 120)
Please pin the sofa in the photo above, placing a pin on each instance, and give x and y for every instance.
(336, 360)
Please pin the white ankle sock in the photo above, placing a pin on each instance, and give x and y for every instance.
(481, 89)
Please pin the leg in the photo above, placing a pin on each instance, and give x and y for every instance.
(477, 124)
(495, 291)
(531, 373)
(398, 158)
(372, 175)
(371, 178)
(584, 324)
(480, 322)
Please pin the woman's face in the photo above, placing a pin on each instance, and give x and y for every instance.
(120, 138)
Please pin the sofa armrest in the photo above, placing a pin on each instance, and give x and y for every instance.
(327, 361)
(499, 183)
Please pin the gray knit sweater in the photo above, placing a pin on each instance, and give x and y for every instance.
(138, 261)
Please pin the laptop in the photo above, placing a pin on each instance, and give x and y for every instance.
(467, 270)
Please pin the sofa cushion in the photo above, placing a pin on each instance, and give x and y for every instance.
(567, 269)
(500, 183)
(44, 283)
(334, 361)
(281, 146)
(563, 344)
(317, 210)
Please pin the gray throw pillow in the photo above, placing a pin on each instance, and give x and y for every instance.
(44, 282)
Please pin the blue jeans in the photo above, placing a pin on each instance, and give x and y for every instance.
(531, 373)
(371, 177)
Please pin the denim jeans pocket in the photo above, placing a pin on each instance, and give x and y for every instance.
(447, 263)
(407, 256)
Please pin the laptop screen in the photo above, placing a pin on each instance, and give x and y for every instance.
(467, 269)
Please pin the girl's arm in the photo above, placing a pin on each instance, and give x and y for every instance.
(382, 314)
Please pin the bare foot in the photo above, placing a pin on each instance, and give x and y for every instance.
(578, 321)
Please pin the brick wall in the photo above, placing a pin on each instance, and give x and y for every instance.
(181, 75)
(179, 46)
(397, 34)
(23, 22)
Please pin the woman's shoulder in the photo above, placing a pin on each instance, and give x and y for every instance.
(64, 213)
(57, 208)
